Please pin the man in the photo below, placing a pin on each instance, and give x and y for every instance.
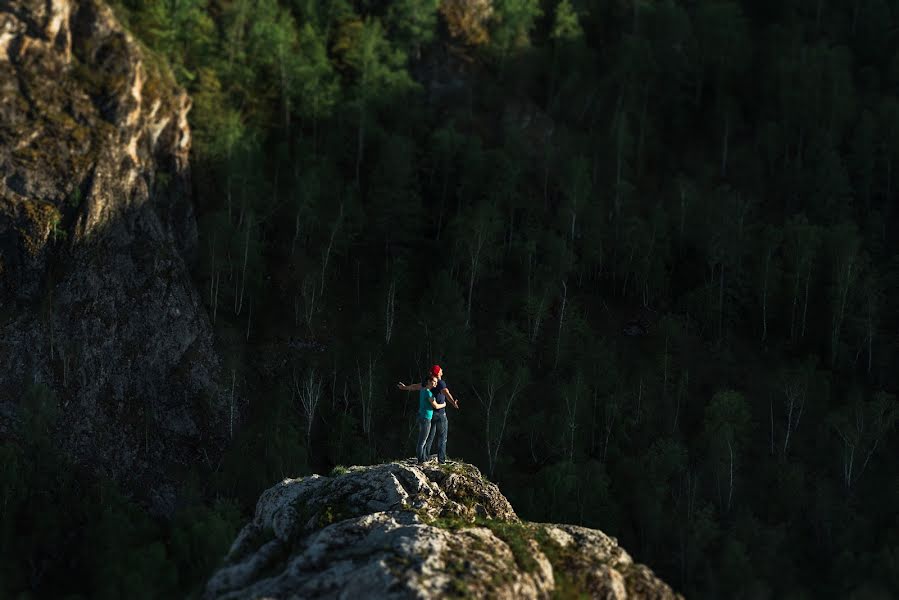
(427, 404)
(439, 422)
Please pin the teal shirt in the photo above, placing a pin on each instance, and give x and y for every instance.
(425, 410)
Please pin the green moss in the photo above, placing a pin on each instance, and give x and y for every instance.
(517, 536)
(40, 218)
(323, 515)
(339, 470)
(458, 569)
(334, 513)
(570, 586)
(449, 467)
(450, 523)
(570, 577)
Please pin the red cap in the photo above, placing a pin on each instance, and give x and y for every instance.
(435, 370)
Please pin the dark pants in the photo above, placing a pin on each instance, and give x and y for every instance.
(438, 433)
(424, 428)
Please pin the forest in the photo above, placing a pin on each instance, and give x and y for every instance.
(647, 240)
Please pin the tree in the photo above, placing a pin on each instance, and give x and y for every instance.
(500, 394)
(394, 199)
(182, 31)
(512, 23)
(577, 191)
(844, 242)
(861, 426)
(771, 241)
(272, 42)
(446, 143)
(477, 228)
(725, 427)
(308, 390)
(566, 25)
(721, 33)
(379, 71)
(413, 23)
(468, 19)
(794, 388)
(802, 240)
(316, 90)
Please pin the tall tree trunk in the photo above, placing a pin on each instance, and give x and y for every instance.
(721, 304)
(724, 145)
(730, 489)
(360, 143)
(561, 321)
(765, 298)
(326, 253)
(808, 277)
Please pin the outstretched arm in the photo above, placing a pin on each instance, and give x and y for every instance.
(411, 387)
(452, 400)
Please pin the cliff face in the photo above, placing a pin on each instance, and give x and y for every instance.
(400, 530)
(96, 227)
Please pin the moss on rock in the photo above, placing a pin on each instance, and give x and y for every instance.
(40, 219)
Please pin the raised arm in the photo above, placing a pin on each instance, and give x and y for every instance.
(411, 387)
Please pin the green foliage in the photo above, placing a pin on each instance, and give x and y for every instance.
(565, 22)
(413, 23)
(513, 21)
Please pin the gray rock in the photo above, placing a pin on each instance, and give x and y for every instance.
(96, 229)
(400, 530)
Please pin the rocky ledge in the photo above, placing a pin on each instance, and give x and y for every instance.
(400, 530)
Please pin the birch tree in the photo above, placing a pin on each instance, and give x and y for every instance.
(726, 427)
(563, 301)
(771, 240)
(365, 392)
(794, 391)
(572, 394)
(479, 227)
(308, 390)
(861, 427)
(801, 249)
(845, 246)
(498, 397)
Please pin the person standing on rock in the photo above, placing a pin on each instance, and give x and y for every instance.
(427, 404)
(439, 423)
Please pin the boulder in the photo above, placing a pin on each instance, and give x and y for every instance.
(402, 530)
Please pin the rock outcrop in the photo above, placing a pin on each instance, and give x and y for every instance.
(400, 530)
(96, 229)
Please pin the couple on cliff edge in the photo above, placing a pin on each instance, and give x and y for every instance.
(433, 396)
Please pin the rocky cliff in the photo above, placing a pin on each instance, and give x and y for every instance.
(96, 228)
(400, 530)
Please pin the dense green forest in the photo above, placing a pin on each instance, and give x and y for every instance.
(648, 241)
